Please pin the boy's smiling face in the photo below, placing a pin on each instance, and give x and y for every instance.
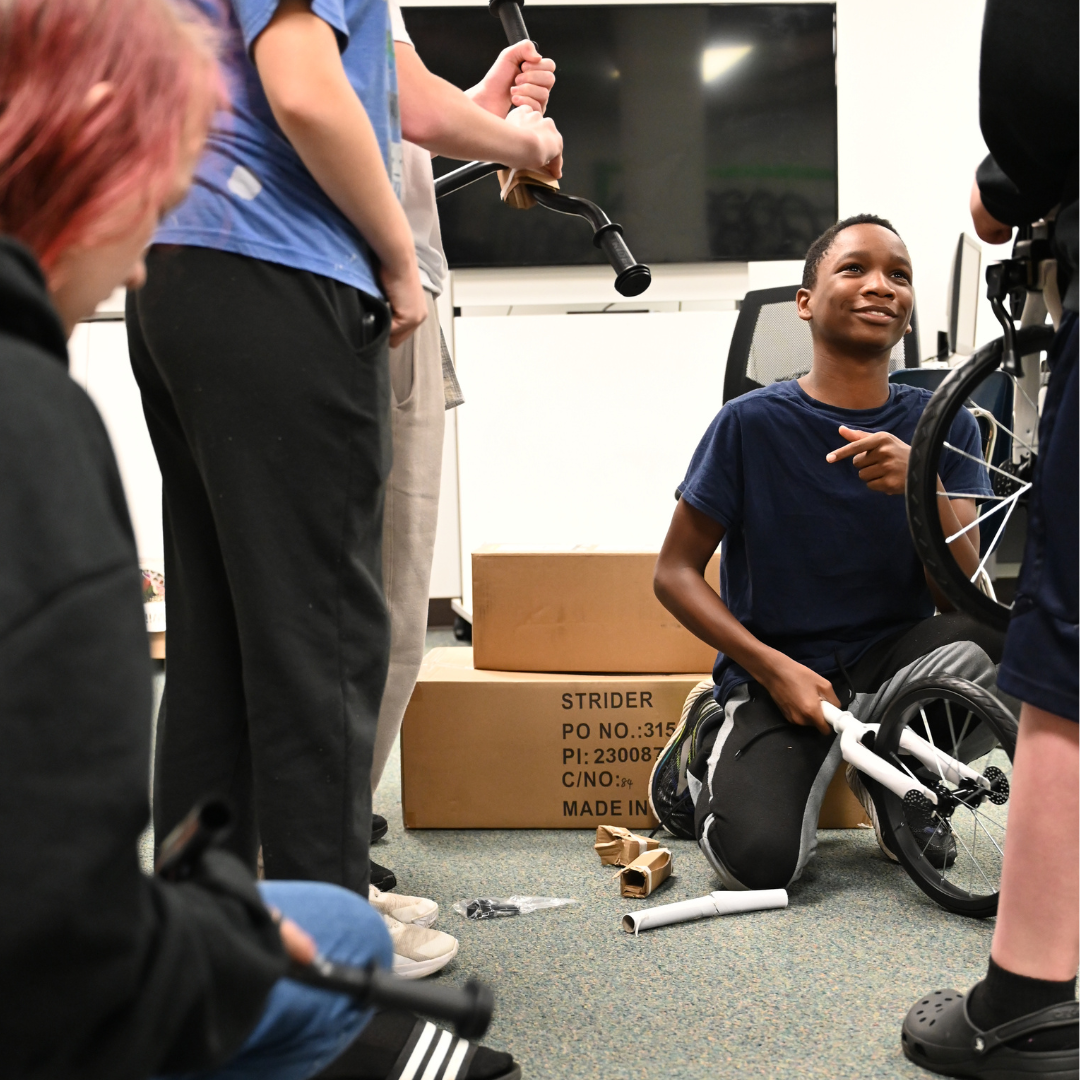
(862, 299)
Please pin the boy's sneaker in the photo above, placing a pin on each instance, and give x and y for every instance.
(419, 952)
(670, 797)
(396, 1045)
(406, 909)
(937, 843)
(859, 790)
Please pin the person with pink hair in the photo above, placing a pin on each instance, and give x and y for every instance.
(108, 973)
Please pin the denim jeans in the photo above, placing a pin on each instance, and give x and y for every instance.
(302, 1029)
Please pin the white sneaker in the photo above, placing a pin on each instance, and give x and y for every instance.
(858, 789)
(406, 909)
(419, 952)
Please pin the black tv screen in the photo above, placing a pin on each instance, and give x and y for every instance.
(707, 130)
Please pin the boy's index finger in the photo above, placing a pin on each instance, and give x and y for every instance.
(854, 446)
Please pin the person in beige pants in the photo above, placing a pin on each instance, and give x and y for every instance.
(436, 118)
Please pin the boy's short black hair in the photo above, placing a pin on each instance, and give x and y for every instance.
(824, 242)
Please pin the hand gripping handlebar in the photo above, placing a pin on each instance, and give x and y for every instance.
(631, 277)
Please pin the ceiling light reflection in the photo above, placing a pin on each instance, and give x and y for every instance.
(718, 60)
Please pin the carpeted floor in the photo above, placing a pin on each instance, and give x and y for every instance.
(817, 990)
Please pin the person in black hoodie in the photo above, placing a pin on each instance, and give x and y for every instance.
(1021, 1019)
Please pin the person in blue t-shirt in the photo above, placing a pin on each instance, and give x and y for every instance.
(822, 596)
(260, 344)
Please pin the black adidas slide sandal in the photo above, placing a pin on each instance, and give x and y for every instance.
(398, 1045)
(939, 1035)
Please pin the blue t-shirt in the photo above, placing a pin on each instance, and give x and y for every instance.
(252, 194)
(813, 562)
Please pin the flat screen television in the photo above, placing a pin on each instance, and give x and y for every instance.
(707, 130)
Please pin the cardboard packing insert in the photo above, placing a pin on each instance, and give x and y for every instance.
(579, 610)
(620, 847)
(645, 873)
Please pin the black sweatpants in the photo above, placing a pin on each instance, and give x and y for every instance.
(266, 392)
(759, 781)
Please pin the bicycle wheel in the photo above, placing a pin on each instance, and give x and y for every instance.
(952, 851)
(1011, 461)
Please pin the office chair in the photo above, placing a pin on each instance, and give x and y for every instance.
(772, 344)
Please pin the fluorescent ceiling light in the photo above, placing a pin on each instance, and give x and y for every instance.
(717, 60)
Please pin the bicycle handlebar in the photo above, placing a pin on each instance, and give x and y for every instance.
(508, 12)
(469, 1008)
(631, 277)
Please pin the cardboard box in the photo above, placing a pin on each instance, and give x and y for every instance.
(580, 610)
(516, 750)
(519, 750)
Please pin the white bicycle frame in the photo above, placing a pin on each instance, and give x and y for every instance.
(852, 731)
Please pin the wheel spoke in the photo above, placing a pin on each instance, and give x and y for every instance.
(980, 460)
(993, 543)
(930, 740)
(952, 730)
(997, 423)
(1008, 501)
(1020, 386)
(980, 825)
(975, 861)
(963, 730)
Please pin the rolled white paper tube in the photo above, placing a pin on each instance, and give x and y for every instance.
(704, 907)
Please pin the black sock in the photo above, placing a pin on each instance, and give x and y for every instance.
(1003, 996)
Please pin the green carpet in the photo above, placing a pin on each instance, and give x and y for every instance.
(817, 990)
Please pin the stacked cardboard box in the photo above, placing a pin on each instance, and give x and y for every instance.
(554, 718)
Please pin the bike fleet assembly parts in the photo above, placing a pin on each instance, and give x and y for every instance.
(852, 732)
(631, 277)
(705, 907)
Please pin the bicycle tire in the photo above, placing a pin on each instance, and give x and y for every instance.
(921, 488)
(894, 814)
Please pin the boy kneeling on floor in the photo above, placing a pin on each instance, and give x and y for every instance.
(823, 597)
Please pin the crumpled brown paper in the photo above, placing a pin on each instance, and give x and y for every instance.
(645, 873)
(617, 846)
(515, 192)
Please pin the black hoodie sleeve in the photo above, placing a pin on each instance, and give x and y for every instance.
(104, 973)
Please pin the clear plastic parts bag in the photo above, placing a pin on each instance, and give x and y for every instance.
(503, 907)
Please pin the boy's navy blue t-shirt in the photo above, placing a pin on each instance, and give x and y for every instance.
(814, 563)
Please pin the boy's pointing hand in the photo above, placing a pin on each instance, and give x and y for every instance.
(881, 458)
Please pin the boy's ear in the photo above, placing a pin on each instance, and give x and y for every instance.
(907, 329)
(802, 304)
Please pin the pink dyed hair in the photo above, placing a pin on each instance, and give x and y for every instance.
(79, 166)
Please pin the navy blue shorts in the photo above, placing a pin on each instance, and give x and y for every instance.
(1040, 662)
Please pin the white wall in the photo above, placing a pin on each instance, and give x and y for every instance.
(99, 364)
(908, 126)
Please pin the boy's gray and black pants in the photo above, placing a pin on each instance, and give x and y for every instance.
(758, 781)
(266, 392)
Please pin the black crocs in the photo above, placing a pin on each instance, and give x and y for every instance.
(939, 1035)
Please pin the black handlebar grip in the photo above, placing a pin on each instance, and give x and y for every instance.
(508, 12)
(205, 826)
(469, 1008)
(631, 277)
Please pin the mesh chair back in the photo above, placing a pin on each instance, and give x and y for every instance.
(772, 344)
